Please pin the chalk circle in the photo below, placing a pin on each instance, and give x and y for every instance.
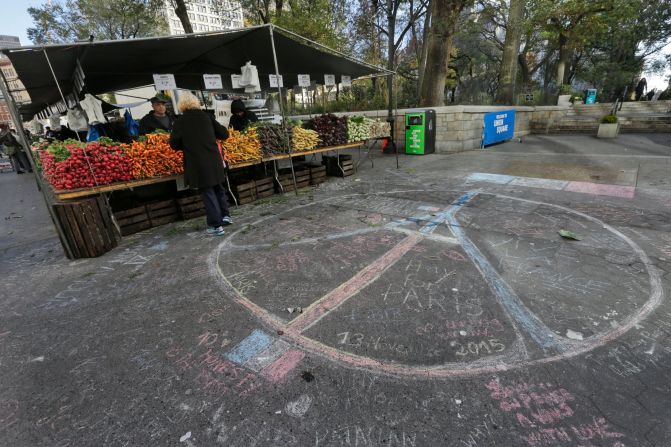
(451, 369)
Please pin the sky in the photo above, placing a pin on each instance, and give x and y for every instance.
(14, 21)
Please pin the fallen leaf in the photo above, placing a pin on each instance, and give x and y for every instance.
(569, 235)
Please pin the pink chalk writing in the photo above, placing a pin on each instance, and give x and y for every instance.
(540, 408)
(212, 373)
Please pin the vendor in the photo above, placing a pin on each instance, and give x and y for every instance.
(158, 118)
(241, 118)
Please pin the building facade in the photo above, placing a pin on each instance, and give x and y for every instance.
(206, 15)
(12, 80)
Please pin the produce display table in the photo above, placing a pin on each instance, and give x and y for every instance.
(65, 195)
(86, 192)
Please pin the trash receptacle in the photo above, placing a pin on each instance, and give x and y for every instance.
(420, 132)
(590, 96)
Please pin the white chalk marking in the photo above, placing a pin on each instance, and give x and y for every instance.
(573, 335)
(185, 437)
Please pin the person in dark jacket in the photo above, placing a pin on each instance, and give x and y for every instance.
(641, 88)
(195, 133)
(14, 150)
(158, 118)
(241, 118)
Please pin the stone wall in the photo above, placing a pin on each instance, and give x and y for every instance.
(459, 128)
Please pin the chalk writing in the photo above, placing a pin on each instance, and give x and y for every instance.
(481, 347)
(479, 432)
(212, 373)
(539, 408)
(9, 410)
(361, 436)
(461, 328)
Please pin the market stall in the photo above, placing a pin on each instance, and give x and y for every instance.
(62, 77)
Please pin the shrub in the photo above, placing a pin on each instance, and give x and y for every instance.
(609, 119)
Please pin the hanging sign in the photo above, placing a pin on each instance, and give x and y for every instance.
(276, 81)
(329, 80)
(346, 81)
(213, 82)
(165, 82)
(304, 80)
(235, 81)
(498, 126)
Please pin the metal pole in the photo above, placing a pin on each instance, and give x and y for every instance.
(59, 87)
(282, 111)
(88, 162)
(18, 123)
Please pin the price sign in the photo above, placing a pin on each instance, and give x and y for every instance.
(165, 82)
(235, 81)
(304, 80)
(276, 81)
(213, 82)
(329, 80)
(346, 81)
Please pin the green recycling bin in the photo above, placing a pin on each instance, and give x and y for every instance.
(420, 132)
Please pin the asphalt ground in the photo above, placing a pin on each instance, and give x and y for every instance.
(431, 305)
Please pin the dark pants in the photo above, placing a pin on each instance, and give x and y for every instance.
(20, 161)
(216, 205)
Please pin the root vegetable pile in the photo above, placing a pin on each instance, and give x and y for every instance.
(331, 129)
(241, 146)
(152, 156)
(304, 139)
(72, 165)
(380, 129)
(273, 139)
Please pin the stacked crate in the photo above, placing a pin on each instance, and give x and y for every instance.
(133, 220)
(164, 212)
(317, 174)
(345, 169)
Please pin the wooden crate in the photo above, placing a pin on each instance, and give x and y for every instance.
(264, 187)
(245, 192)
(303, 177)
(287, 182)
(190, 207)
(133, 220)
(161, 213)
(317, 174)
(333, 169)
(87, 227)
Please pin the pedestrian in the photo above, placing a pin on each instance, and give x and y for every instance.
(641, 88)
(241, 118)
(158, 118)
(195, 133)
(15, 152)
(650, 94)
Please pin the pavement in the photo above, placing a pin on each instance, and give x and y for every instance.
(431, 305)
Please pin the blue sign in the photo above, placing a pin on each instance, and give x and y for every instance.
(499, 126)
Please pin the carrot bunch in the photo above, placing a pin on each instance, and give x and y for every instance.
(241, 146)
(153, 157)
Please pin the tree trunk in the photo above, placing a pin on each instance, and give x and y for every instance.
(563, 60)
(391, 54)
(444, 18)
(425, 49)
(511, 47)
(183, 15)
(524, 69)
